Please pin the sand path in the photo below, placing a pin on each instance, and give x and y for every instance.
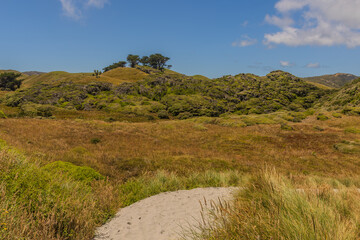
(161, 217)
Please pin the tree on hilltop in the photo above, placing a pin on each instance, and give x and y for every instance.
(97, 73)
(144, 61)
(158, 61)
(133, 60)
(10, 81)
(115, 65)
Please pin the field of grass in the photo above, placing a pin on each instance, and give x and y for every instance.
(117, 163)
(75, 148)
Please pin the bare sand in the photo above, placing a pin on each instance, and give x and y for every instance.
(161, 217)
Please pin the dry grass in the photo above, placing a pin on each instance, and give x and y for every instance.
(271, 207)
(130, 149)
(115, 76)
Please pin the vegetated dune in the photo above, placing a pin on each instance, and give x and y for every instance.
(163, 217)
(337, 80)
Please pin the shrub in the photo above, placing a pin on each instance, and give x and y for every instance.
(184, 115)
(163, 114)
(95, 140)
(33, 110)
(322, 117)
(337, 115)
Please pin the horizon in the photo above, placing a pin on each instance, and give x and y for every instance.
(305, 38)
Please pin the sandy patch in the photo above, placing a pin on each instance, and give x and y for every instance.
(161, 217)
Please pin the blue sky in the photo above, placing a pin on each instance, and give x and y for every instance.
(208, 37)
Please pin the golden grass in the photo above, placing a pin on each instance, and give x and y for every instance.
(115, 76)
(130, 149)
(271, 207)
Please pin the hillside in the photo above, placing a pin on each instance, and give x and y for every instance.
(169, 93)
(334, 81)
(346, 97)
(115, 76)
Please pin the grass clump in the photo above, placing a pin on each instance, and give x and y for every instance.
(348, 147)
(271, 207)
(57, 201)
(146, 186)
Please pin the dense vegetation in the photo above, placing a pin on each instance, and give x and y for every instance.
(169, 94)
(10, 81)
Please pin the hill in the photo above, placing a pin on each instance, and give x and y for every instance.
(115, 76)
(346, 97)
(337, 80)
(32, 73)
(168, 93)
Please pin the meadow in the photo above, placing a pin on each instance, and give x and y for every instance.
(66, 169)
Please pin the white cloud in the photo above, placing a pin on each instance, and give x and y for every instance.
(245, 42)
(286, 64)
(322, 23)
(74, 8)
(70, 9)
(97, 3)
(313, 65)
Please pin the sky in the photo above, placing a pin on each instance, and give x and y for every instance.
(207, 37)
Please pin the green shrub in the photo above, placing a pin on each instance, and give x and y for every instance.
(33, 110)
(322, 117)
(95, 140)
(337, 115)
(163, 114)
(286, 127)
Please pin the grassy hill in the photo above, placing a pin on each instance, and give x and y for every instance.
(346, 97)
(334, 81)
(115, 76)
(166, 94)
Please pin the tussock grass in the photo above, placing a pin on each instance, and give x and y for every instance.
(58, 201)
(146, 186)
(271, 207)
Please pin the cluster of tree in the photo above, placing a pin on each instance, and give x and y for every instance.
(156, 61)
(10, 81)
(115, 65)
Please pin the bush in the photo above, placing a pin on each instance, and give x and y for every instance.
(184, 115)
(33, 110)
(95, 140)
(163, 114)
(322, 117)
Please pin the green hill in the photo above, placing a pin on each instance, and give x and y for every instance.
(169, 93)
(115, 76)
(346, 97)
(334, 81)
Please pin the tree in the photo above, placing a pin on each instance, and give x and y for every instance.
(97, 73)
(9, 81)
(144, 61)
(115, 65)
(158, 61)
(133, 60)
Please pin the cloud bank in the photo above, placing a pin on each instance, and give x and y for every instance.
(74, 8)
(321, 23)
